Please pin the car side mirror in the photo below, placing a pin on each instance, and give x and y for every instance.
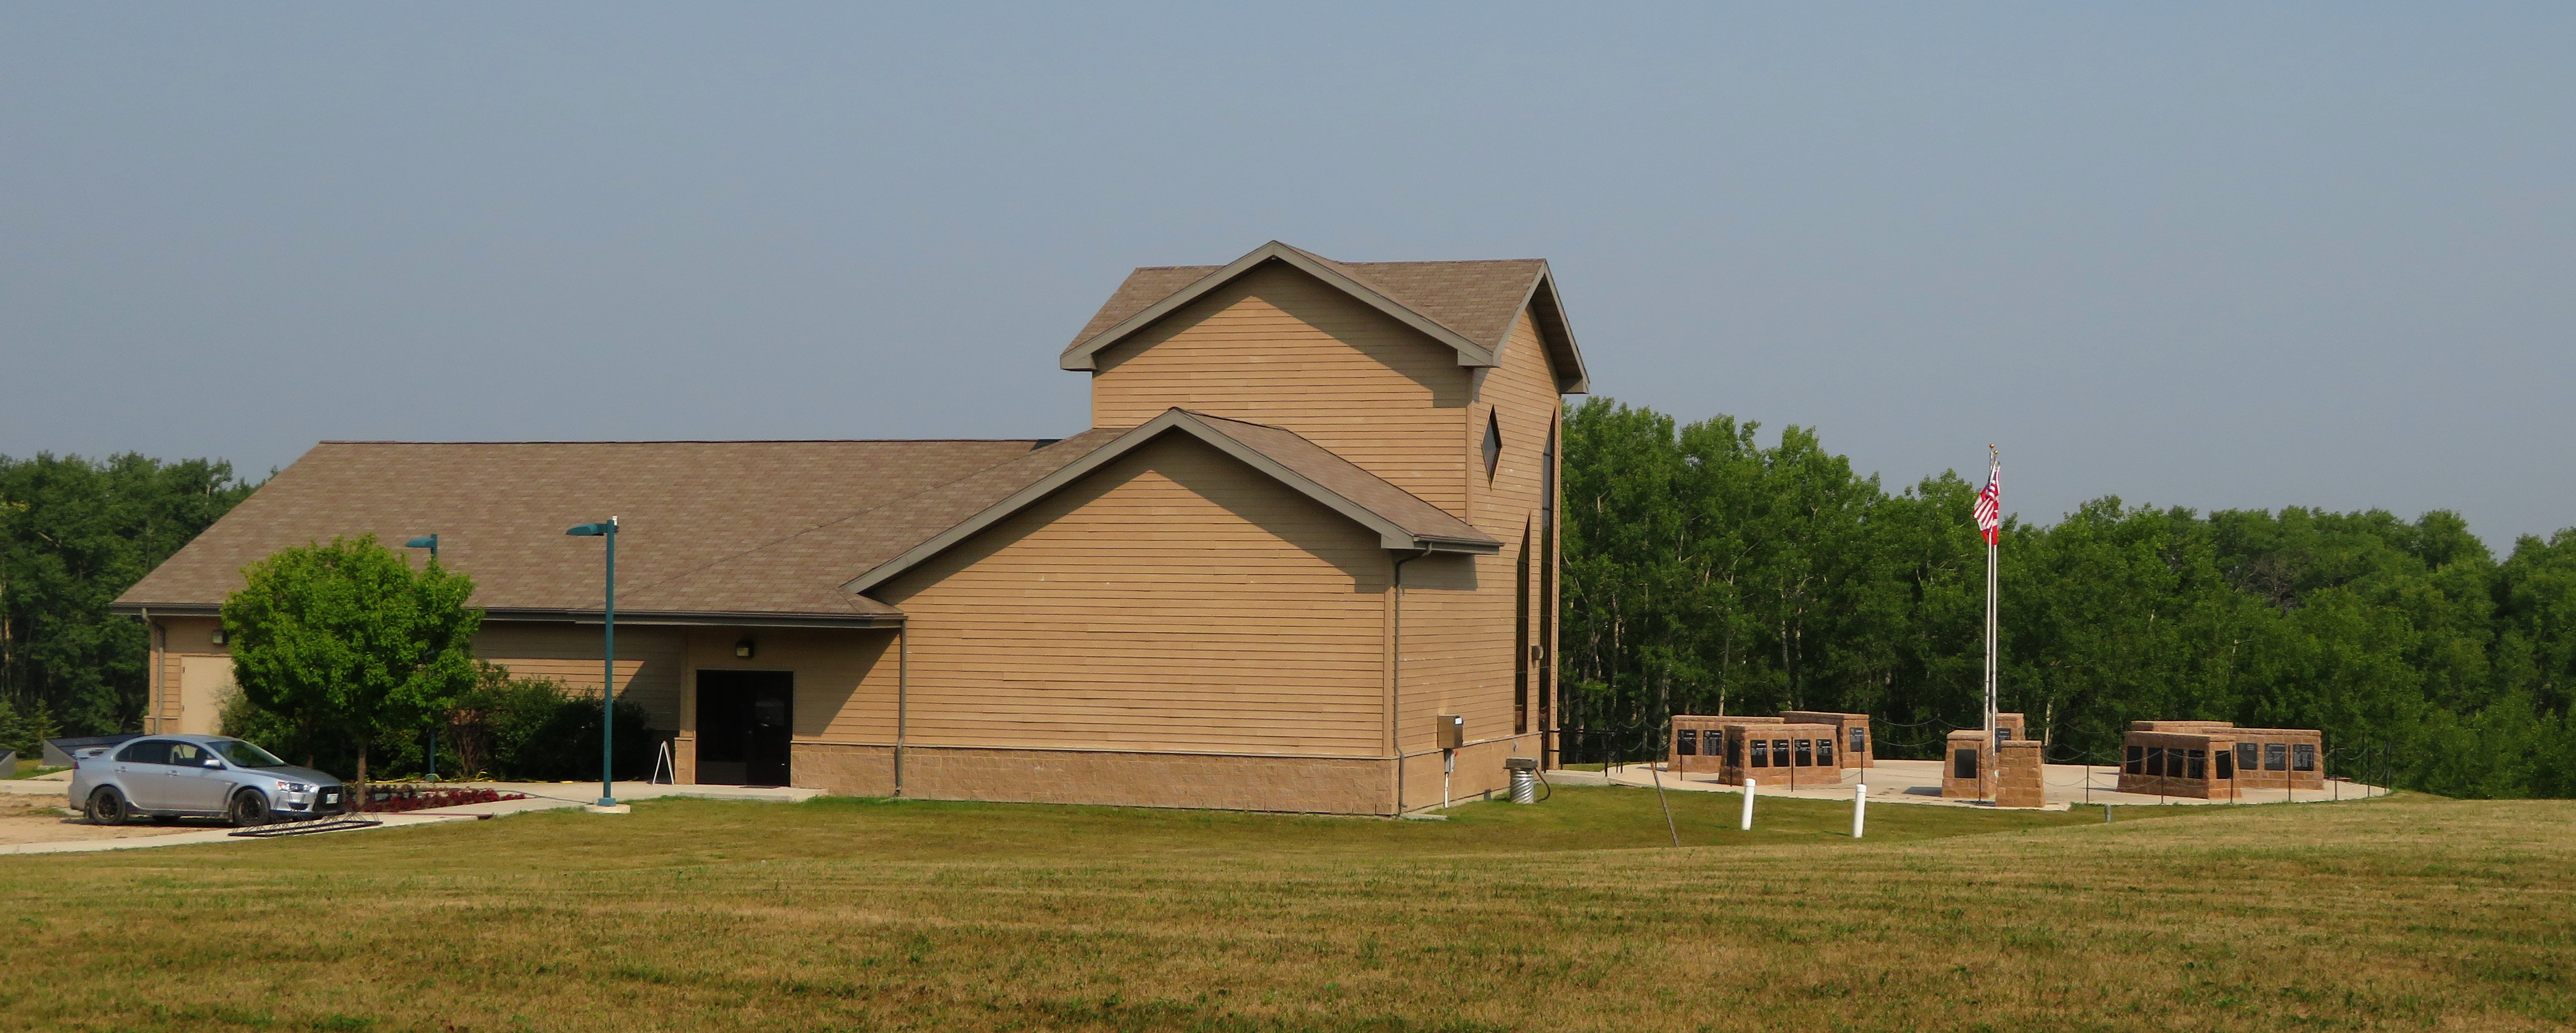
(213, 763)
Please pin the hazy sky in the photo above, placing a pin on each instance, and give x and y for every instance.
(2218, 256)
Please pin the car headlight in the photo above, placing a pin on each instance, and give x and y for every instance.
(294, 787)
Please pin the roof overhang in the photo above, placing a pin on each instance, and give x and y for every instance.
(1390, 534)
(678, 618)
(1081, 355)
(1548, 311)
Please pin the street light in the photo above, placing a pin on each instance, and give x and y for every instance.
(429, 542)
(608, 663)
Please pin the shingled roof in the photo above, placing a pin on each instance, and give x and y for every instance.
(685, 508)
(1469, 306)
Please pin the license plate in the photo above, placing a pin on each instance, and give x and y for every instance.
(331, 797)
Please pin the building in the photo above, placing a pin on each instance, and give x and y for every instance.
(1314, 515)
(2215, 760)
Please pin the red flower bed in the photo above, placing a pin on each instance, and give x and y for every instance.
(415, 798)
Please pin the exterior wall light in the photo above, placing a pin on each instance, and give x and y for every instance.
(218, 637)
(742, 650)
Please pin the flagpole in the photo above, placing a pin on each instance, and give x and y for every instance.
(1994, 474)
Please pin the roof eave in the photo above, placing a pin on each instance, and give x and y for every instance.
(698, 618)
(1391, 535)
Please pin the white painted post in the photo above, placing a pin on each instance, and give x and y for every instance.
(1748, 805)
(1860, 803)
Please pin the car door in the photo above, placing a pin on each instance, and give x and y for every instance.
(141, 771)
(193, 785)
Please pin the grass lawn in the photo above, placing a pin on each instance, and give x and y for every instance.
(2404, 912)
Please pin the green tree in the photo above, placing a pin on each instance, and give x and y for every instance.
(75, 533)
(348, 638)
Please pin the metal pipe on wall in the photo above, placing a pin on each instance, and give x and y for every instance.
(902, 690)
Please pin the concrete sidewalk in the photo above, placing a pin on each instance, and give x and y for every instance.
(1919, 782)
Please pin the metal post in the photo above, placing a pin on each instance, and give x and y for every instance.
(608, 678)
(1860, 805)
(1748, 805)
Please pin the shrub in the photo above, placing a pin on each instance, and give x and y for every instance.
(504, 728)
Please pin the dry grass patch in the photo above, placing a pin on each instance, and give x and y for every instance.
(842, 914)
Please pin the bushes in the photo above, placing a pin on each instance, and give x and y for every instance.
(530, 729)
(504, 728)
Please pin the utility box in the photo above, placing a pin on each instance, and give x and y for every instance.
(1453, 731)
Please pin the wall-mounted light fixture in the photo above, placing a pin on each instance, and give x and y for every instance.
(218, 637)
(742, 650)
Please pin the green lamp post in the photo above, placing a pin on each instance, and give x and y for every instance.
(429, 542)
(608, 664)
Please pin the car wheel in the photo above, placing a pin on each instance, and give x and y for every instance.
(249, 809)
(107, 807)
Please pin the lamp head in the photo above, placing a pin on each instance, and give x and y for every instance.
(593, 530)
(424, 542)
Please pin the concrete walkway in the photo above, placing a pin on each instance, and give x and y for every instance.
(540, 796)
(1919, 781)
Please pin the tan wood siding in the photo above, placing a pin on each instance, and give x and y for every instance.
(845, 680)
(1278, 347)
(1172, 600)
(1463, 651)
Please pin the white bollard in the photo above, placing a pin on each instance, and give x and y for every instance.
(1748, 805)
(1860, 801)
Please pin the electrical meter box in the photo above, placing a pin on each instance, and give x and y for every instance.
(1453, 731)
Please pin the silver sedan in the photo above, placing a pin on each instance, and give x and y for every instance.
(168, 777)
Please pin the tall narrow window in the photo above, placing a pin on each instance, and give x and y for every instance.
(1493, 444)
(2137, 760)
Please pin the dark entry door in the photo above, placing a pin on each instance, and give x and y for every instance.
(743, 727)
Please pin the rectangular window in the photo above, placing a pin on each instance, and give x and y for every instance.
(1825, 752)
(2276, 756)
(2226, 765)
(2248, 757)
(1859, 741)
(2303, 757)
(2195, 765)
(1779, 753)
(1735, 750)
(1963, 764)
(1761, 753)
(1806, 753)
(2137, 760)
(1686, 742)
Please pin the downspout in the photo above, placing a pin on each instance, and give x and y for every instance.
(152, 643)
(902, 688)
(1396, 717)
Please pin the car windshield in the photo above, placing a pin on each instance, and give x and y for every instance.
(243, 754)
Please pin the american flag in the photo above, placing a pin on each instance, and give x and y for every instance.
(1990, 505)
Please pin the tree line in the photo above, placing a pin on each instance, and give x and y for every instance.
(74, 534)
(1705, 573)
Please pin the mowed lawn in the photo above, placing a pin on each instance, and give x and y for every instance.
(2407, 912)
